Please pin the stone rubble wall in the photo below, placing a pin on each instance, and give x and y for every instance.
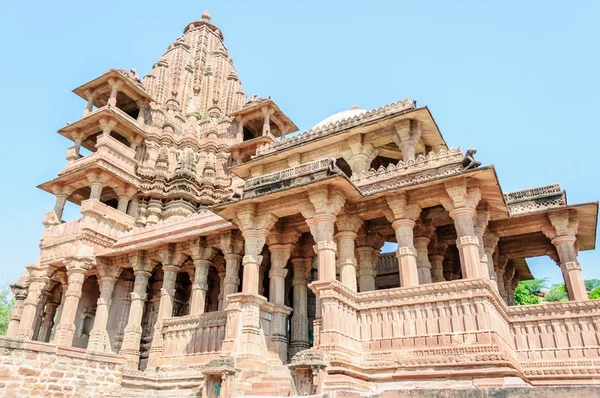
(34, 369)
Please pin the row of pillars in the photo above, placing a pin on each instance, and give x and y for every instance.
(115, 86)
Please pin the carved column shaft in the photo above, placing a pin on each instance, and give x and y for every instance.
(467, 243)
(406, 253)
(326, 247)
(15, 317)
(423, 265)
(366, 271)
(232, 281)
(437, 267)
(99, 335)
(47, 322)
(133, 331)
(59, 205)
(199, 287)
(347, 261)
(222, 274)
(300, 339)
(66, 327)
(569, 265)
(30, 305)
(165, 310)
(254, 241)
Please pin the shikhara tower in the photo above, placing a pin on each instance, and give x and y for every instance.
(216, 254)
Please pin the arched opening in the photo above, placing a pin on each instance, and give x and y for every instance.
(388, 275)
(86, 312)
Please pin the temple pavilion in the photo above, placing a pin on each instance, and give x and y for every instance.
(221, 252)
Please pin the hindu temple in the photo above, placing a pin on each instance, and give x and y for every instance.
(221, 252)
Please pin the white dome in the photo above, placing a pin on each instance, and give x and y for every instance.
(336, 117)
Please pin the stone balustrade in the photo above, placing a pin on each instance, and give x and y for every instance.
(108, 150)
(424, 168)
(558, 340)
(535, 199)
(287, 178)
(193, 339)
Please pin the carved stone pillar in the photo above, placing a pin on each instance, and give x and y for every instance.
(480, 223)
(107, 277)
(91, 96)
(366, 271)
(408, 134)
(114, 91)
(437, 267)
(20, 293)
(231, 284)
(563, 235)
(501, 263)
(300, 339)
(47, 321)
(461, 202)
(423, 233)
(321, 217)
(403, 216)
(222, 273)
(59, 206)
(132, 335)
(281, 243)
(348, 226)
(509, 275)
(202, 254)
(165, 307)
(76, 269)
(490, 243)
(30, 305)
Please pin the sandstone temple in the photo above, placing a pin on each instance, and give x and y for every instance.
(220, 252)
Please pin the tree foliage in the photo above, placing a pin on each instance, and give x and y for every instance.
(556, 293)
(7, 301)
(528, 292)
(594, 294)
(591, 284)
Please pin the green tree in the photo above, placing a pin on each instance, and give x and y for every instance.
(7, 301)
(591, 284)
(594, 294)
(556, 293)
(528, 292)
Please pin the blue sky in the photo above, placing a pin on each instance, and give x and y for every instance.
(517, 80)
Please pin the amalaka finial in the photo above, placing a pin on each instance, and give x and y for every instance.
(355, 107)
(206, 15)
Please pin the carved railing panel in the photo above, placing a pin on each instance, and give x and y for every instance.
(193, 339)
(107, 149)
(430, 325)
(535, 199)
(556, 340)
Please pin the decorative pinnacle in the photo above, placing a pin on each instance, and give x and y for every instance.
(206, 15)
(355, 107)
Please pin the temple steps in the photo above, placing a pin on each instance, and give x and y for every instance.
(276, 383)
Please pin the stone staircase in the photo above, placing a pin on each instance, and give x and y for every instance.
(277, 382)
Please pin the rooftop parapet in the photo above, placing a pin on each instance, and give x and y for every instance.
(535, 199)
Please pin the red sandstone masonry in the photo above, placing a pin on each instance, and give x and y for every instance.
(33, 369)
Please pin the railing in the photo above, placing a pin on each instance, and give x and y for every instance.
(430, 161)
(425, 326)
(287, 174)
(533, 193)
(555, 340)
(193, 339)
(107, 148)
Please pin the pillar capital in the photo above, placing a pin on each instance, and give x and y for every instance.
(201, 250)
(461, 194)
(490, 242)
(401, 208)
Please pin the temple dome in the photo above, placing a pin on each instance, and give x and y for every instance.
(336, 117)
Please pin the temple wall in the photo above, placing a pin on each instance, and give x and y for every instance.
(40, 369)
